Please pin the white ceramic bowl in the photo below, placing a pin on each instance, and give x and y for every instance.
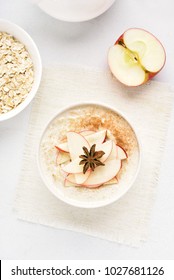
(87, 198)
(22, 36)
(76, 10)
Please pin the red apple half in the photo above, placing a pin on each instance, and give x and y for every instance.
(136, 57)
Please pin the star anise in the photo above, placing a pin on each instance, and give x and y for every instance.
(90, 159)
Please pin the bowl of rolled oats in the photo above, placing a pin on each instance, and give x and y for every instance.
(20, 69)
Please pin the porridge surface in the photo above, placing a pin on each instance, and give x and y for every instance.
(89, 117)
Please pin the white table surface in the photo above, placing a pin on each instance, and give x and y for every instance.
(86, 44)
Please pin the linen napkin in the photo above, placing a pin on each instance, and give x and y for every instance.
(148, 107)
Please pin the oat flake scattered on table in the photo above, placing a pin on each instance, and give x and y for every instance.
(16, 72)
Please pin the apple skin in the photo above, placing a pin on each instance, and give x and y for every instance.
(123, 150)
(95, 186)
(61, 150)
(92, 186)
(149, 75)
(80, 185)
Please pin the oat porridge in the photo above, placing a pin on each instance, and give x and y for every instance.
(89, 152)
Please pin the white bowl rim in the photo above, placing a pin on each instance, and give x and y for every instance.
(67, 200)
(34, 89)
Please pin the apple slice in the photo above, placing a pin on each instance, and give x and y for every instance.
(112, 181)
(63, 173)
(113, 154)
(90, 136)
(76, 142)
(86, 132)
(117, 152)
(71, 181)
(121, 153)
(62, 157)
(68, 183)
(63, 147)
(73, 166)
(136, 57)
(81, 177)
(92, 186)
(106, 147)
(103, 174)
(96, 138)
(78, 179)
(110, 136)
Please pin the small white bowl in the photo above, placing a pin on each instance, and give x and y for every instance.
(23, 37)
(83, 197)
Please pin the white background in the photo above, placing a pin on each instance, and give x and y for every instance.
(85, 44)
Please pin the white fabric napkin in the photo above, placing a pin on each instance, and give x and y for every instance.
(148, 107)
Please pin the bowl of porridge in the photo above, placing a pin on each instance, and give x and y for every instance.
(20, 69)
(89, 155)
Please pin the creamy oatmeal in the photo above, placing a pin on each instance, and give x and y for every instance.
(94, 118)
